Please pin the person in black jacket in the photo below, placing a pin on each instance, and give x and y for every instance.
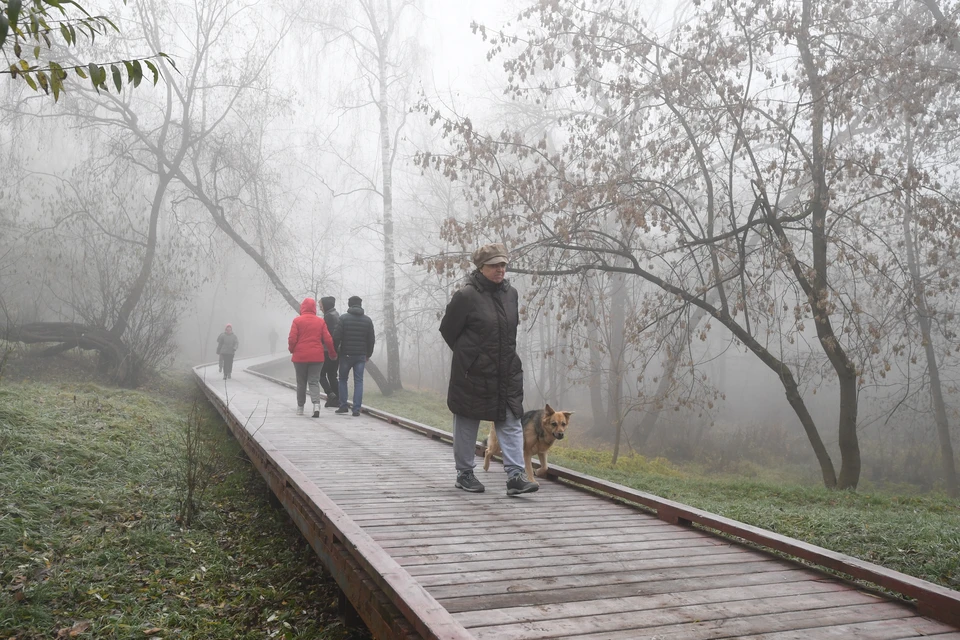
(328, 376)
(486, 375)
(354, 341)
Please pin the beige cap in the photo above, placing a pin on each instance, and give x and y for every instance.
(490, 254)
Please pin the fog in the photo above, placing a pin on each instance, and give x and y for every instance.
(733, 232)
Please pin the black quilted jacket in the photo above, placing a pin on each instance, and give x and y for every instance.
(480, 325)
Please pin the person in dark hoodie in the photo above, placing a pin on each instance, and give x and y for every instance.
(328, 376)
(309, 339)
(355, 340)
(486, 375)
(227, 345)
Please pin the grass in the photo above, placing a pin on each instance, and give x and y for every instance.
(916, 534)
(90, 545)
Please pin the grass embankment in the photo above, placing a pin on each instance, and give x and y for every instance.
(90, 546)
(916, 534)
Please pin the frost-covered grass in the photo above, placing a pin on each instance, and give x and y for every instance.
(90, 545)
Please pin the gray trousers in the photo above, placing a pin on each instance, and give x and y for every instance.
(308, 375)
(509, 433)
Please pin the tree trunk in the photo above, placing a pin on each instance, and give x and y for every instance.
(596, 375)
(115, 356)
(146, 266)
(818, 293)
(390, 332)
(618, 316)
(924, 316)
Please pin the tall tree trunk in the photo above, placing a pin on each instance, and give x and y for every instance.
(618, 318)
(924, 316)
(596, 372)
(817, 292)
(389, 257)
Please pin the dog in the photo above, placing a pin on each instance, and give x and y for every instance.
(541, 428)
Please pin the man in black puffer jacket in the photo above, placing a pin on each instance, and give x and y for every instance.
(354, 341)
(328, 375)
(486, 375)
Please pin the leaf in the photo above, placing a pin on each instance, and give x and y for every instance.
(17, 50)
(42, 79)
(168, 59)
(80, 72)
(36, 52)
(137, 73)
(153, 68)
(4, 28)
(65, 33)
(129, 66)
(117, 77)
(13, 11)
(14, 71)
(94, 75)
(57, 71)
(30, 81)
(56, 83)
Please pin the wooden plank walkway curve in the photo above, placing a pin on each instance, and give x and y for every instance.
(418, 558)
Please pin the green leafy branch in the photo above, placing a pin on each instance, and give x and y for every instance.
(34, 25)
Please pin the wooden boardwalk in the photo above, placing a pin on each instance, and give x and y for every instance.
(419, 558)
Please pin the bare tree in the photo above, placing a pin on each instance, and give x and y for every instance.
(376, 37)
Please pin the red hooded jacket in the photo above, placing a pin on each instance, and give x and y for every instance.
(309, 334)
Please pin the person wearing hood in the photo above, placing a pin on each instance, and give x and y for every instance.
(355, 340)
(486, 375)
(308, 341)
(227, 345)
(328, 376)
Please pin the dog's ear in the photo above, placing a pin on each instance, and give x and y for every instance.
(567, 414)
(548, 410)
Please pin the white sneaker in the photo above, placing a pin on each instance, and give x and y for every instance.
(300, 411)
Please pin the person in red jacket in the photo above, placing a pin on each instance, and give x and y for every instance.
(308, 336)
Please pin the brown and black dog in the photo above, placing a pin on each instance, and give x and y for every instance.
(541, 428)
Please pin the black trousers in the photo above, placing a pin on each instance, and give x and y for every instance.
(227, 364)
(328, 377)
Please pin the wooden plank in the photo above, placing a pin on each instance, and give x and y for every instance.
(825, 604)
(534, 558)
(560, 518)
(555, 574)
(532, 586)
(465, 545)
(580, 608)
(531, 535)
(663, 582)
(863, 622)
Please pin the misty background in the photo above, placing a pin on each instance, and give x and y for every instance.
(733, 225)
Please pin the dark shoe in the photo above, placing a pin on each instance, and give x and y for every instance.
(343, 410)
(332, 401)
(316, 409)
(468, 482)
(356, 413)
(519, 484)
